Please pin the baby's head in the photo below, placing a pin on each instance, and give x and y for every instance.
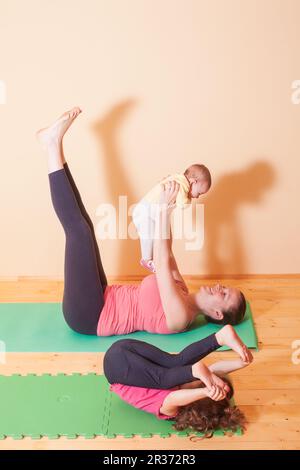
(199, 178)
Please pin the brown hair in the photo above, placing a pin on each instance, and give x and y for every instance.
(206, 415)
(195, 169)
(232, 316)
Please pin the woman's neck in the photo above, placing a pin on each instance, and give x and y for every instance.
(193, 305)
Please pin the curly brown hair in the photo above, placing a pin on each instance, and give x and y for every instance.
(206, 415)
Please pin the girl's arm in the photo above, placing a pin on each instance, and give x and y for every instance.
(218, 368)
(181, 398)
(195, 384)
(184, 397)
(225, 367)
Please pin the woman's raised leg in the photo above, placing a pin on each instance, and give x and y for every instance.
(85, 214)
(83, 294)
(89, 221)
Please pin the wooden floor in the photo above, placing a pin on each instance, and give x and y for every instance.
(268, 391)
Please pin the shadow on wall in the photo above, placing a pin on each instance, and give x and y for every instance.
(106, 130)
(224, 250)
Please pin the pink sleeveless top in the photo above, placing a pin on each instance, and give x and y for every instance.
(129, 308)
(147, 399)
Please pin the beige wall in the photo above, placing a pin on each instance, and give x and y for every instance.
(162, 84)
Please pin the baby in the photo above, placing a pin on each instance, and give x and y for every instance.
(194, 182)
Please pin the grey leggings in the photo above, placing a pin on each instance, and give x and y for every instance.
(84, 277)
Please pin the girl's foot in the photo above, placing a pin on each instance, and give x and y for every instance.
(201, 372)
(218, 382)
(227, 336)
(54, 133)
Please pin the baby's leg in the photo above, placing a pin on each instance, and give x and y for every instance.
(145, 227)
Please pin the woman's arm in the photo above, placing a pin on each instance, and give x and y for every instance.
(173, 304)
(174, 268)
(176, 273)
(173, 264)
(175, 308)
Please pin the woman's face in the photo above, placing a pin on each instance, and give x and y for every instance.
(217, 298)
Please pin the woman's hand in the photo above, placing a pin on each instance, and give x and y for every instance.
(168, 194)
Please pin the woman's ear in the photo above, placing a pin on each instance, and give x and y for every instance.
(218, 314)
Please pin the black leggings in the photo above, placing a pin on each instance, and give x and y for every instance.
(84, 277)
(136, 363)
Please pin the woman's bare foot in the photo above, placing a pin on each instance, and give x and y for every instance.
(53, 134)
(227, 336)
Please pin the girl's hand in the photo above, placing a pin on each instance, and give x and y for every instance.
(215, 393)
(169, 193)
(246, 355)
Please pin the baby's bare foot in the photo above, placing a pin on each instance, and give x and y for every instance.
(54, 133)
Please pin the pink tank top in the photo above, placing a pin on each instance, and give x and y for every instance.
(129, 308)
(147, 399)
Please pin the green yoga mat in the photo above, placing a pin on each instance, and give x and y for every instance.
(40, 327)
(72, 405)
